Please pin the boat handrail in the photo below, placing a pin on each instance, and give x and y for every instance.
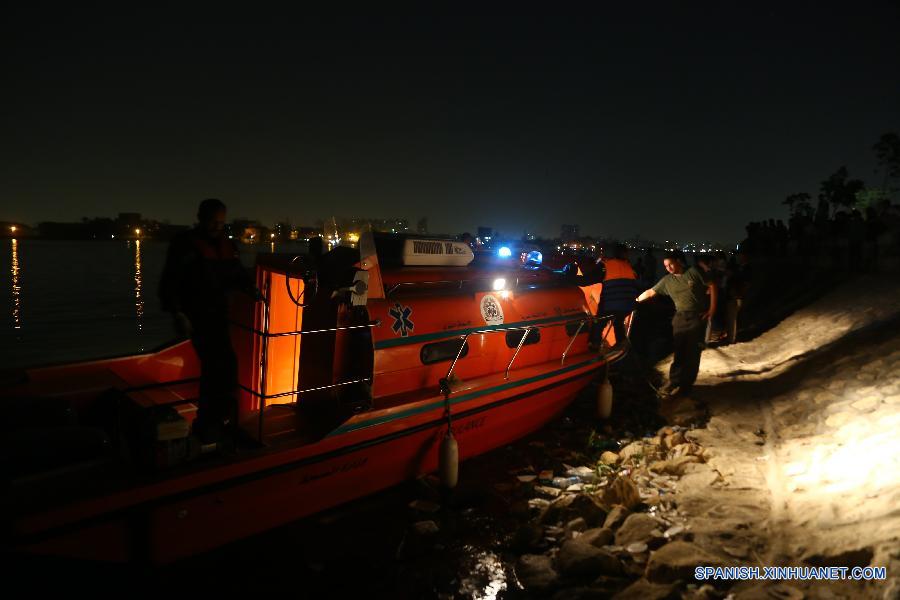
(571, 341)
(266, 334)
(527, 328)
(574, 319)
(444, 383)
(458, 283)
(519, 347)
(292, 392)
(465, 339)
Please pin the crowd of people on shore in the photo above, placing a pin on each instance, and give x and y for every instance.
(851, 238)
(710, 295)
(730, 273)
(707, 298)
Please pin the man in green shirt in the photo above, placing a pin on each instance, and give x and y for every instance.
(688, 289)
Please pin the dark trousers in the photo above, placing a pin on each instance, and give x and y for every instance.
(618, 322)
(218, 374)
(597, 330)
(688, 331)
(731, 318)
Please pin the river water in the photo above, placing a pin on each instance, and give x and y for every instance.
(77, 300)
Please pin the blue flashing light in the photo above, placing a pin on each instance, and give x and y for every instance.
(504, 252)
(534, 258)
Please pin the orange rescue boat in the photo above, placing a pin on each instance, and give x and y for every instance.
(351, 374)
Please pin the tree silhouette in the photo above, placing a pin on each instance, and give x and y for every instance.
(798, 204)
(840, 191)
(887, 151)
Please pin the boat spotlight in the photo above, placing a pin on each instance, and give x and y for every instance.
(504, 252)
(499, 284)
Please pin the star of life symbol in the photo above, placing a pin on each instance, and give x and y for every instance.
(402, 324)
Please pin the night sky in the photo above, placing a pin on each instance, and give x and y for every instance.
(684, 120)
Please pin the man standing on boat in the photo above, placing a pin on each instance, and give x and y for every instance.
(619, 289)
(688, 289)
(202, 266)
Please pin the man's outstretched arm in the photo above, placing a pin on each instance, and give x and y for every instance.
(646, 295)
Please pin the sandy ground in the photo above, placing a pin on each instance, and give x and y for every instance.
(803, 436)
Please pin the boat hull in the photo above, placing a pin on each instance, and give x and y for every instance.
(343, 467)
(365, 410)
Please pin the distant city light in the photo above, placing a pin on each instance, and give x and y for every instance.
(12, 228)
(272, 236)
(499, 284)
(112, 236)
(353, 237)
(137, 231)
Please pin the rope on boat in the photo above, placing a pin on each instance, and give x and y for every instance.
(445, 390)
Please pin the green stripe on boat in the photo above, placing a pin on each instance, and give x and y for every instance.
(464, 397)
(439, 335)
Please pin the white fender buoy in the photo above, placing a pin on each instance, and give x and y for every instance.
(604, 399)
(448, 461)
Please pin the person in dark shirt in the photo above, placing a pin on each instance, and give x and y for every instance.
(739, 279)
(688, 289)
(617, 296)
(202, 266)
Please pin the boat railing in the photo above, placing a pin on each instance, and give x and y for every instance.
(303, 391)
(457, 284)
(265, 335)
(268, 334)
(527, 329)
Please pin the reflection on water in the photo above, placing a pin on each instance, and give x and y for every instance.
(16, 287)
(486, 578)
(87, 299)
(138, 298)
